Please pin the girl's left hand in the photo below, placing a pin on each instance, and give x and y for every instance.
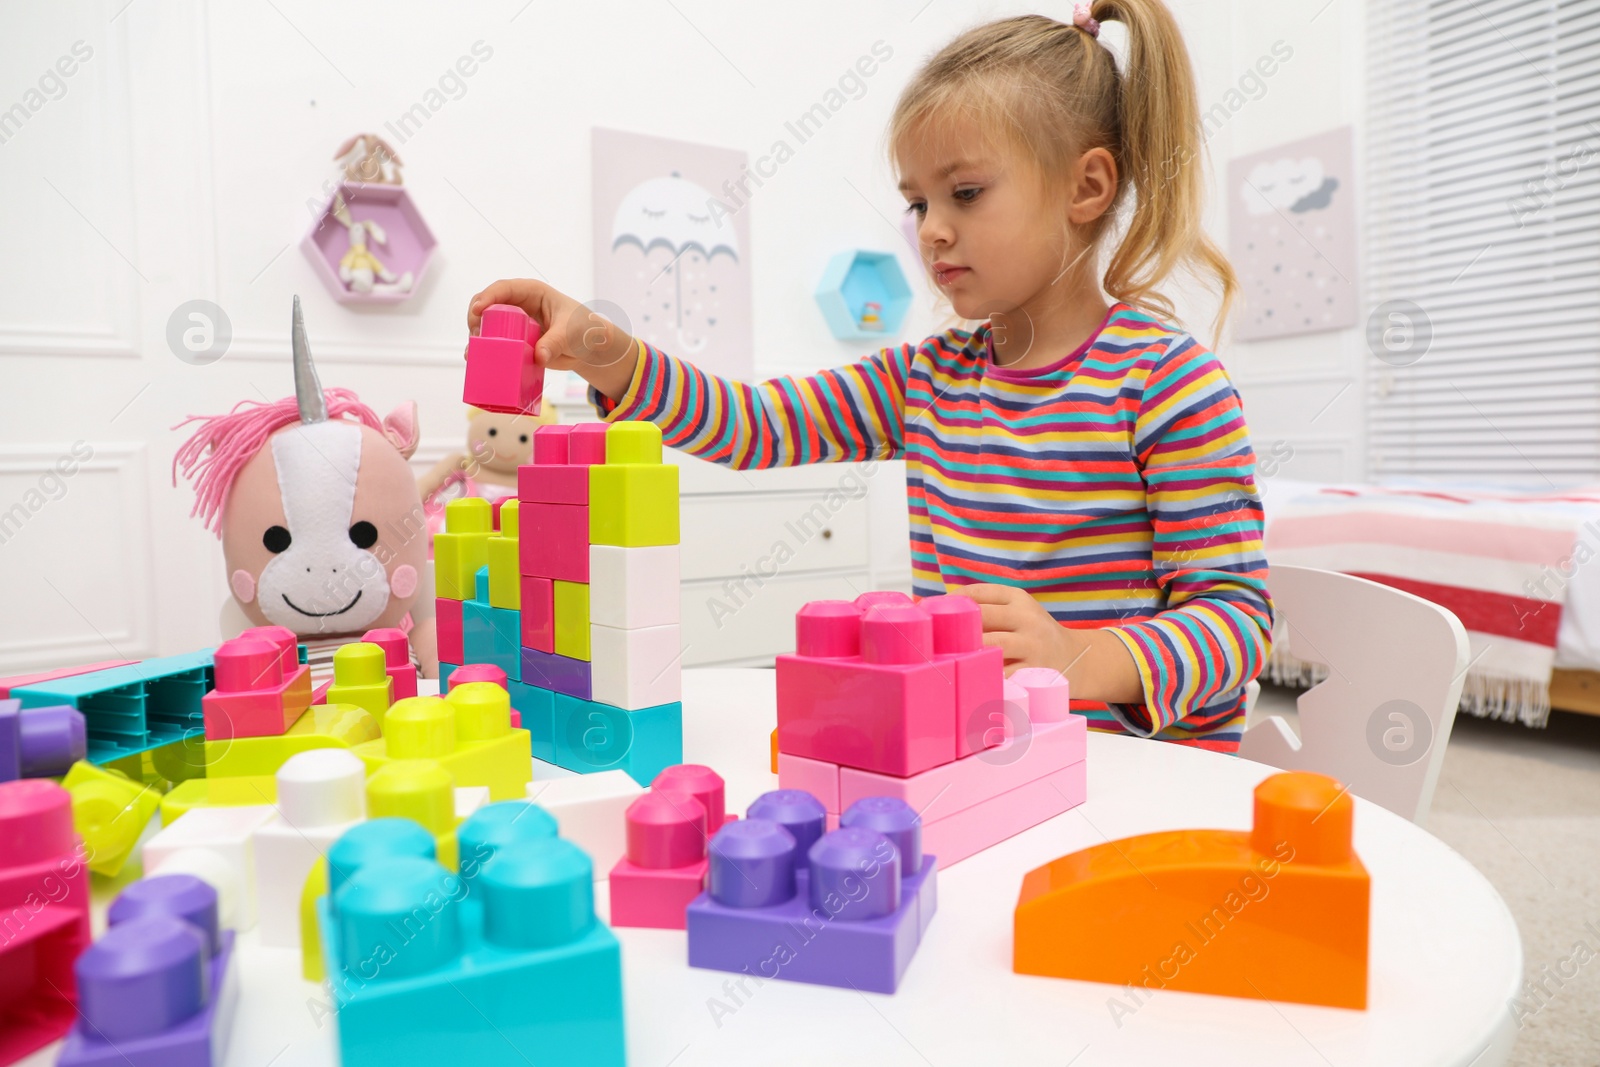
(1022, 629)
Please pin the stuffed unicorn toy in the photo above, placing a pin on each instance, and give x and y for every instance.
(322, 527)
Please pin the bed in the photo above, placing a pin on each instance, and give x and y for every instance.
(1521, 570)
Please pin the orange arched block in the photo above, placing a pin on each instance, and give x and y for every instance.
(1279, 913)
(774, 752)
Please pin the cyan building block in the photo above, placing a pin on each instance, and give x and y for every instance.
(590, 736)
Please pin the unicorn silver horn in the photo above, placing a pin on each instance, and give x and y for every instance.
(307, 389)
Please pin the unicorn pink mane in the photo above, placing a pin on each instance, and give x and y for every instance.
(219, 449)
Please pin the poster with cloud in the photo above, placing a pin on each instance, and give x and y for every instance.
(671, 251)
(1292, 237)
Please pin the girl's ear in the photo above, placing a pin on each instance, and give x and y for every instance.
(400, 427)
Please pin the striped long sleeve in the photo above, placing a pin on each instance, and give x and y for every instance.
(1115, 485)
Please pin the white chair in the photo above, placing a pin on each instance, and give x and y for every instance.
(1380, 720)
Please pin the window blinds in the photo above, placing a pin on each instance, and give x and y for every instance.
(1483, 241)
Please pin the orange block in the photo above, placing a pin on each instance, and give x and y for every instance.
(1278, 913)
(774, 752)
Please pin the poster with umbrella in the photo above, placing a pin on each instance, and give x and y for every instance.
(671, 253)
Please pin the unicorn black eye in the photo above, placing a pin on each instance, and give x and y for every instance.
(493, 431)
(523, 439)
(276, 539)
(363, 534)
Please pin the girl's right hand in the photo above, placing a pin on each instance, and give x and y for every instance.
(572, 337)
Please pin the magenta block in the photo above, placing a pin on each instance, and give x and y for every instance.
(665, 829)
(396, 658)
(254, 696)
(561, 674)
(447, 618)
(501, 372)
(665, 865)
(538, 618)
(553, 541)
(548, 483)
(700, 782)
(587, 445)
(979, 671)
(550, 444)
(654, 897)
(477, 672)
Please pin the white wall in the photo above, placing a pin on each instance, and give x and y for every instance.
(176, 161)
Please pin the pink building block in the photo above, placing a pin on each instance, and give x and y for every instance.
(665, 865)
(559, 473)
(979, 670)
(864, 689)
(942, 791)
(971, 830)
(538, 618)
(587, 445)
(8, 684)
(700, 782)
(501, 372)
(397, 659)
(447, 619)
(554, 541)
(817, 777)
(254, 695)
(1048, 693)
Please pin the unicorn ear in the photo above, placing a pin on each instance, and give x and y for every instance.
(400, 427)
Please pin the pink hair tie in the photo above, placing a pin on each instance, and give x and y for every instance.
(1084, 21)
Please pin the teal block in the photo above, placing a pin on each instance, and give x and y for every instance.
(445, 671)
(492, 635)
(537, 707)
(480, 584)
(129, 709)
(502, 965)
(590, 737)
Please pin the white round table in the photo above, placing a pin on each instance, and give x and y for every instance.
(1445, 957)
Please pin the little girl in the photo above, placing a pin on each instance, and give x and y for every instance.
(1080, 468)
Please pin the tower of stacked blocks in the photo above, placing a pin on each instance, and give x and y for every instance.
(575, 597)
(884, 696)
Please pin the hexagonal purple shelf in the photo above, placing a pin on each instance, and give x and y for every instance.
(379, 274)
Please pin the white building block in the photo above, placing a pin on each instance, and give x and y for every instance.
(631, 588)
(321, 794)
(215, 844)
(589, 809)
(469, 798)
(636, 669)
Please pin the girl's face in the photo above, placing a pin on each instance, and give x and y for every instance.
(992, 237)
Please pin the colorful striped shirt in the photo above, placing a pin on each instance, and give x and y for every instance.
(1116, 485)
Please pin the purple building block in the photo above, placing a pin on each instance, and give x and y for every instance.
(39, 742)
(561, 674)
(840, 913)
(150, 991)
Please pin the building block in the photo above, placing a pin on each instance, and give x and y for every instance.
(242, 790)
(637, 668)
(17, 681)
(590, 810)
(1048, 693)
(664, 867)
(591, 736)
(253, 696)
(447, 619)
(129, 709)
(40, 742)
(468, 732)
(44, 896)
(964, 833)
(536, 708)
(979, 670)
(633, 505)
(321, 726)
(817, 777)
(502, 374)
(631, 588)
(215, 844)
(420, 790)
(842, 912)
(110, 812)
(361, 677)
(586, 445)
(515, 970)
(538, 613)
(462, 546)
(554, 542)
(470, 799)
(572, 677)
(1303, 938)
(554, 477)
(863, 689)
(159, 989)
(572, 619)
(483, 672)
(492, 635)
(396, 659)
(505, 576)
(321, 794)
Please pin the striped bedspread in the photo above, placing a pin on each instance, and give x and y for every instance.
(1503, 563)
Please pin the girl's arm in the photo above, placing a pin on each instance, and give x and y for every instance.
(850, 413)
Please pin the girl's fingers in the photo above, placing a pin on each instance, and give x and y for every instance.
(997, 617)
(1009, 644)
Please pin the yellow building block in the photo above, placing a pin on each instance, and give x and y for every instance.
(469, 733)
(421, 790)
(505, 570)
(633, 442)
(462, 547)
(572, 619)
(218, 792)
(361, 677)
(310, 943)
(322, 726)
(109, 811)
(633, 505)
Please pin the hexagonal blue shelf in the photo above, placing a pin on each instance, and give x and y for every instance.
(863, 295)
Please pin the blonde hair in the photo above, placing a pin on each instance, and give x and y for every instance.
(1055, 91)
